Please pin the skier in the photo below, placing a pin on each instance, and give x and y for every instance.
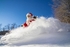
(29, 19)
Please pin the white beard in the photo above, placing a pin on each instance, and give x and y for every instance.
(28, 20)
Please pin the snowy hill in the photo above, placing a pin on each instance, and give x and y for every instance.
(44, 32)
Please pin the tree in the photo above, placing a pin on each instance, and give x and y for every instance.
(3, 29)
(62, 10)
(13, 26)
(7, 27)
(0, 26)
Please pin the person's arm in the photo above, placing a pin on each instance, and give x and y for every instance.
(34, 17)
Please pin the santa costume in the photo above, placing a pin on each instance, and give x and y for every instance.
(28, 20)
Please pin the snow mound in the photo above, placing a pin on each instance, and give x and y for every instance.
(36, 46)
(42, 31)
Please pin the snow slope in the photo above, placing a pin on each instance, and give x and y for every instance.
(44, 32)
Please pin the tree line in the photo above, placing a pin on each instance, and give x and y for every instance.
(8, 27)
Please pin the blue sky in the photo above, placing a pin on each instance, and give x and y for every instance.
(14, 11)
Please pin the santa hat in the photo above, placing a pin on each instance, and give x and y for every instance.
(29, 14)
